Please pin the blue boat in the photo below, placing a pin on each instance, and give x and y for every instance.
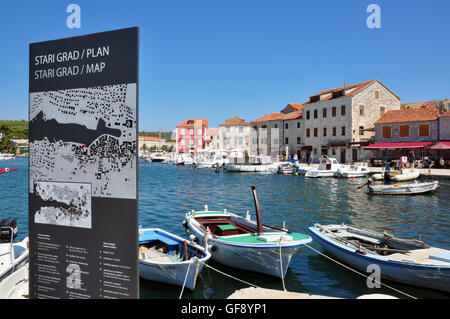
(168, 258)
(410, 262)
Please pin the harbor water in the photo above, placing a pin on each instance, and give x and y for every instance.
(167, 192)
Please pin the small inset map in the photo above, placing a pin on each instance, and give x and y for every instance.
(64, 204)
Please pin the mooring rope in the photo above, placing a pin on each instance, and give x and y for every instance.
(345, 266)
(221, 272)
(185, 279)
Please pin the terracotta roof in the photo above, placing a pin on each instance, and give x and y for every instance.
(194, 123)
(269, 117)
(234, 121)
(212, 132)
(446, 114)
(296, 106)
(148, 138)
(409, 115)
(352, 90)
(292, 116)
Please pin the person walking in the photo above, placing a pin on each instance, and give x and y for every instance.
(411, 158)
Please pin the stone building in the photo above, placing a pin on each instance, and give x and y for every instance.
(340, 122)
(444, 126)
(399, 131)
(277, 134)
(234, 133)
(212, 139)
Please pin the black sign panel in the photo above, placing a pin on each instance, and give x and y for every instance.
(83, 166)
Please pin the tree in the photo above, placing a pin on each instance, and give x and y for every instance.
(144, 148)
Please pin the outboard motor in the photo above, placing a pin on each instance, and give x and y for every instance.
(5, 229)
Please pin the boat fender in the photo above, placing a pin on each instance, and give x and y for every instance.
(193, 238)
(212, 248)
(362, 252)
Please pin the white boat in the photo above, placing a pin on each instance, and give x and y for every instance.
(216, 161)
(358, 169)
(168, 258)
(5, 157)
(258, 164)
(397, 175)
(13, 258)
(242, 243)
(406, 261)
(287, 168)
(328, 167)
(403, 188)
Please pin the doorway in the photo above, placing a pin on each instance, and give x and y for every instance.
(342, 155)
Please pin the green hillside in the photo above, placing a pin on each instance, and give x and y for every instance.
(164, 135)
(14, 129)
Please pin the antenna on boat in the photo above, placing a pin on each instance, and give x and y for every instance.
(258, 212)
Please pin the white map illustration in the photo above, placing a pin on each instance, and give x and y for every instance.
(64, 204)
(85, 135)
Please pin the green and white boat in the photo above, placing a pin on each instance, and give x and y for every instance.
(243, 243)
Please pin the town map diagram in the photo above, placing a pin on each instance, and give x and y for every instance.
(64, 204)
(85, 135)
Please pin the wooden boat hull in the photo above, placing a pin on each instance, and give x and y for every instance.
(403, 189)
(174, 273)
(428, 276)
(261, 257)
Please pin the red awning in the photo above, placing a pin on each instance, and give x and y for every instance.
(443, 145)
(307, 148)
(398, 145)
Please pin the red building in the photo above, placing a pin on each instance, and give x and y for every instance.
(191, 135)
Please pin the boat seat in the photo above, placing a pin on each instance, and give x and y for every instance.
(421, 256)
(151, 235)
(227, 230)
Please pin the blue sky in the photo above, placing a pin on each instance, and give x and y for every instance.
(216, 59)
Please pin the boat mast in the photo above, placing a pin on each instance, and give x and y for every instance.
(258, 212)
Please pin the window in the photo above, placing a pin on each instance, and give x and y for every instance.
(183, 142)
(191, 142)
(377, 94)
(241, 129)
(307, 115)
(343, 130)
(308, 132)
(334, 131)
(424, 130)
(404, 130)
(324, 112)
(255, 141)
(228, 129)
(228, 141)
(264, 126)
(275, 141)
(286, 140)
(298, 124)
(275, 125)
(264, 141)
(382, 110)
(315, 114)
(333, 111)
(343, 110)
(241, 141)
(199, 143)
(298, 140)
(386, 132)
(191, 132)
(286, 126)
(315, 132)
(199, 131)
(324, 131)
(361, 110)
(361, 130)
